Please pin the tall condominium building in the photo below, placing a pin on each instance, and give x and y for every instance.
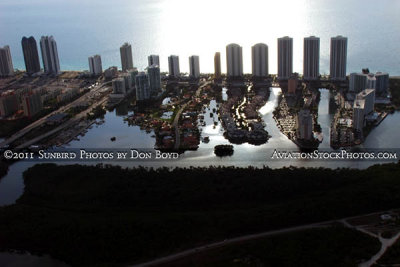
(6, 65)
(31, 55)
(358, 82)
(32, 104)
(259, 60)
(338, 61)
(128, 81)
(311, 58)
(173, 66)
(234, 60)
(194, 66)
(133, 72)
(358, 114)
(368, 95)
(154, 76)
(126, 57)
(119, 87)
(153, 60)
(304, 125)
(142, 87)
(217, 65)
(95, 65)
(382, 83)
(51, 63)
(285, 57)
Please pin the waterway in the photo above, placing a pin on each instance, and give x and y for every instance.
(98, 137)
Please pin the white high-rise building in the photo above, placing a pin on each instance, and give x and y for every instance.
(126, 57)
(50, 59)
(285, 57)
(142, 86)
(234, 60)
(153, 60)
(358, 114)
(6, 65)
(194, 66)
(154, 76)
(311, 58)
(259, 56)
(95, 66)
(304, 125)
(173, 66)
(368, 95)
(338, 61)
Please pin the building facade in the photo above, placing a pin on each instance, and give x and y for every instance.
(31, 55)
(154, 77)
(304, 125)
(173, 66)
(50, 59)
(259, 60)
(194, 67)
(119, 87)
(142, 87)
(382, 83)
(153, 60)
(8, 104)
(95, 65)
(358, 82)
(217, 65)
(6, 65)
(368, 95)
(234, 61)
(358, 114)
(311, 58)
(32, 104)
(126, 57)
(338, 58)
(285, 57)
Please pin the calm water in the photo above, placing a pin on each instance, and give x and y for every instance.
(187, 27)
(11, 186)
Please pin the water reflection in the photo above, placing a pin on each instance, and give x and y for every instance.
(11, 186)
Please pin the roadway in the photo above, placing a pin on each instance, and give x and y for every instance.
(65, 125)
(244, 238)
(40, 121)
(178, 115)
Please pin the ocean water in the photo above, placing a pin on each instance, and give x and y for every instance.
(192, 27)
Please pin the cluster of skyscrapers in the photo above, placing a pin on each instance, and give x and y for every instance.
(49, 51)
(234, 61)
(147, 83)
(259, 55)
(361, 81)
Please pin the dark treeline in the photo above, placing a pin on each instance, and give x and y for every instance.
(86, 215)
(329, 247)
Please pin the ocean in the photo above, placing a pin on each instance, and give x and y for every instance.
(192, 27)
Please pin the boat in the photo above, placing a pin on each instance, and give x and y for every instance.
(223, 150)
